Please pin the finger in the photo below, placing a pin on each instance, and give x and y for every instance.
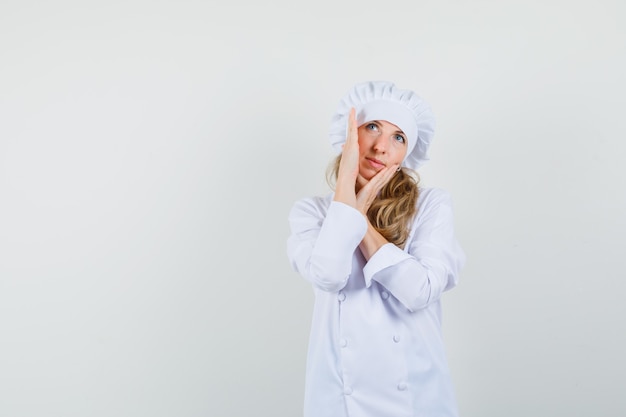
(392, 171)
(353, 134)
(389, 174)
(375, 184)
(382, 177)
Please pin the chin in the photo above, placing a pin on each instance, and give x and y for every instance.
(368, 174)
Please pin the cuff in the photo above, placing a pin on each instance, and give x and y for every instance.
(388, 255)
(343, 229)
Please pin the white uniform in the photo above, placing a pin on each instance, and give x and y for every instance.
(375, 346)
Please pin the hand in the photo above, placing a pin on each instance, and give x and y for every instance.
(368, 190)
(349, 165)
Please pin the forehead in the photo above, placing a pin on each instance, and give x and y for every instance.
(385, 125)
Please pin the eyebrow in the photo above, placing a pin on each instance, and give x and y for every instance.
(399, 132)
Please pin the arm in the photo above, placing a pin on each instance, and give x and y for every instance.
(372, 241)
(433, 261)
(322, 243)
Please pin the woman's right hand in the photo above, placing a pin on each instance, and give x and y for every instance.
(349, 165)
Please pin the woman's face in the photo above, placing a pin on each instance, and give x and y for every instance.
(380, 144)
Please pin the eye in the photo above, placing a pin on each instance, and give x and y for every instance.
(400, 138)
(372, 127)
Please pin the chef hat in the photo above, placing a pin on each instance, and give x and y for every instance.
(382, 100)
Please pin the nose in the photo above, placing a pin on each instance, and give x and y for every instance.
(380, 144)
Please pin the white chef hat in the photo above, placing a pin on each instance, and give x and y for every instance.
(382, 100)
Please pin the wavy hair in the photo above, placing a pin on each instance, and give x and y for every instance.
(393, 210)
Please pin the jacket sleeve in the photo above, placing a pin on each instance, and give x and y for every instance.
(322, 243)
(432, 262)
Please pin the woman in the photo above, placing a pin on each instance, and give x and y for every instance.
(379, 252)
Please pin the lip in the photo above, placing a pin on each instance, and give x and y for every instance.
(375, 163)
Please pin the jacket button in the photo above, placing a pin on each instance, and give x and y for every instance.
(341, 296)
(402, 386)
(384, 295)
(343, 342)
(347, 390)
(396, 338)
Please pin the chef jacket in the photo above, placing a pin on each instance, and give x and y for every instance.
(375, 346)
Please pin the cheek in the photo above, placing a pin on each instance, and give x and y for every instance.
(398, 156)
(363, 143)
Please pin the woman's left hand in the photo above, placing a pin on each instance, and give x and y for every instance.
(368, 190)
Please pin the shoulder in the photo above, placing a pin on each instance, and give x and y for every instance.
(433, 197)
(434, 206)
(434, 222)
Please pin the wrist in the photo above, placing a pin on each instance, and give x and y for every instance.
(372, 241)
(345, 194)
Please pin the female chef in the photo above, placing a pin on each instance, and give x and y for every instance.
(379, 252)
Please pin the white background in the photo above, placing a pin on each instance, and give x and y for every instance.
(151, 150)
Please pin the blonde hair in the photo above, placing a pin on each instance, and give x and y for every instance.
(394, 208)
